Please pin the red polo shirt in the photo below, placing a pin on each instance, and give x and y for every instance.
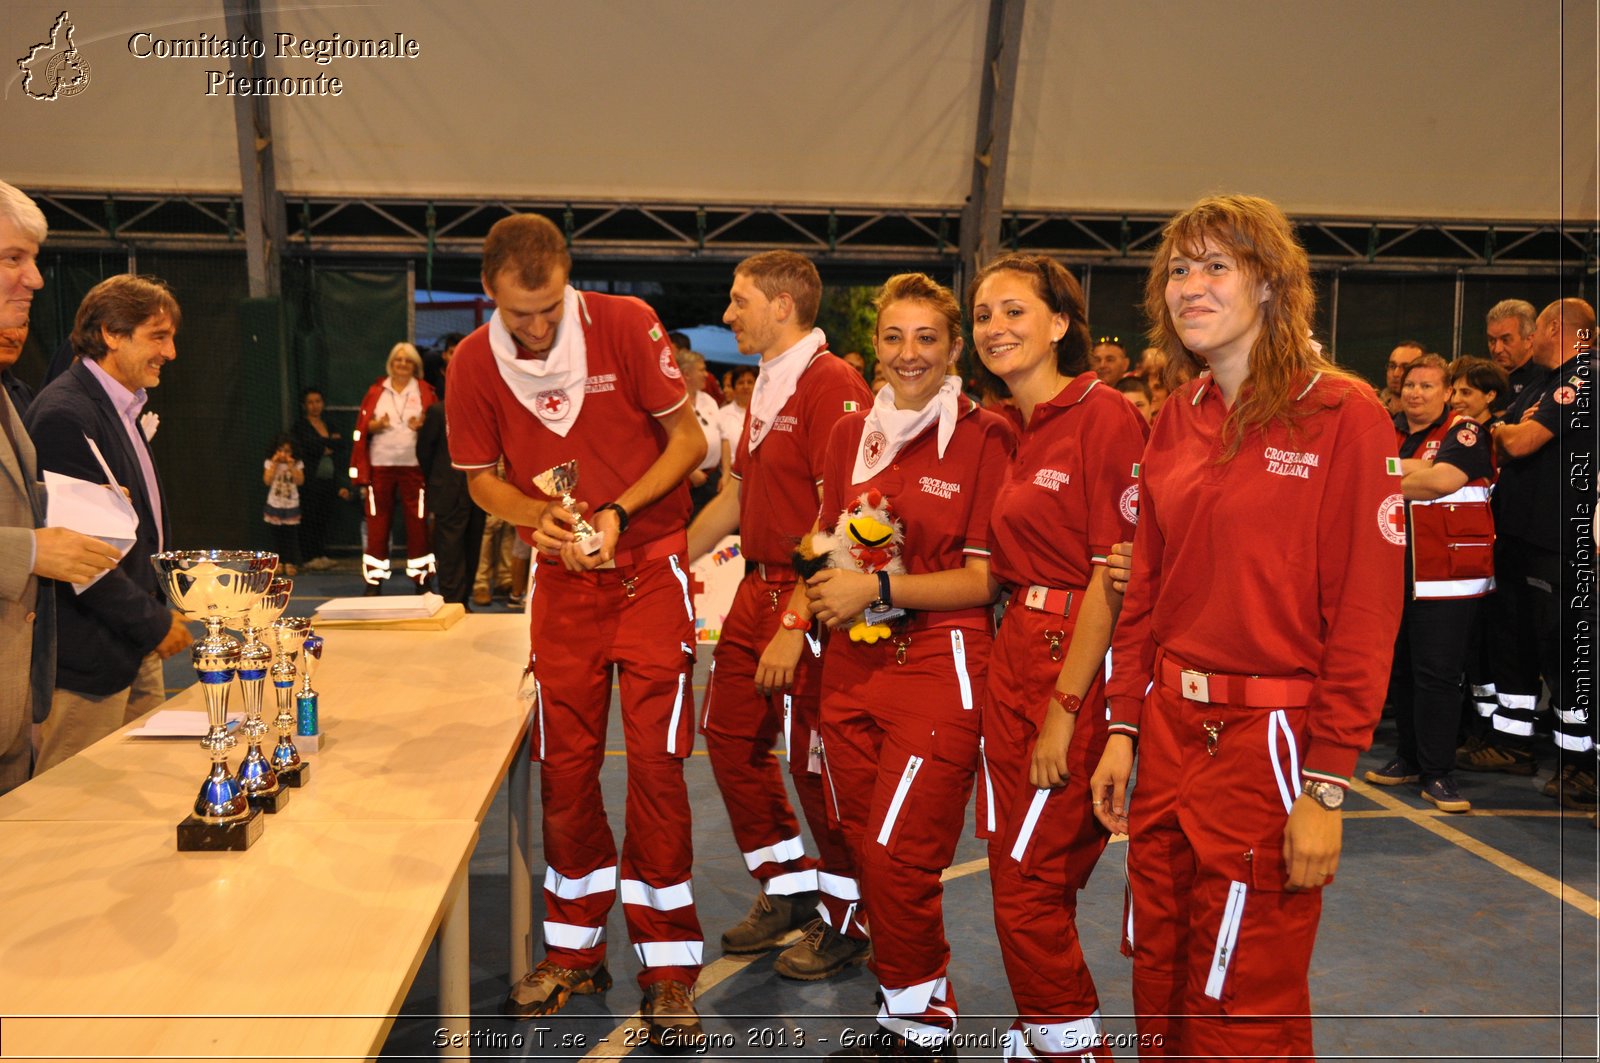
(1284, 561)
(944, 503)
(778, 480)
(1072, 490)
(617, 435)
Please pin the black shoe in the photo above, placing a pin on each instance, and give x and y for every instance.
(1442, 794)
(1395, 773)
(372, 591)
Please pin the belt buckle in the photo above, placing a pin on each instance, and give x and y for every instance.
(1035, 597)
(1195, 685)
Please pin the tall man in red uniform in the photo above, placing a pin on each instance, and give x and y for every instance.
(557, 376)
(767, 671)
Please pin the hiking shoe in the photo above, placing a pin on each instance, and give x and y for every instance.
(547, 988)
(1395, 773)
(822, 953)
(670, 1016)
(1576, 790)
(1442, 794)
(1492, 757)
(772, 918)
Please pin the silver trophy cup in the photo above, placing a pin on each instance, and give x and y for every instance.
(210, 586)
(256, 773)
(288, 634)
(559, 483)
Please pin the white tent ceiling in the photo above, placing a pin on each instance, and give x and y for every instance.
(1472, 109)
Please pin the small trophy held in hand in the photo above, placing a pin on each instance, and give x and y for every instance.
(559, 483)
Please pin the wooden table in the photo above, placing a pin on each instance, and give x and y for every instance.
(420, 728)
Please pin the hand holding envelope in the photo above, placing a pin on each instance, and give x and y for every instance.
(99, 510)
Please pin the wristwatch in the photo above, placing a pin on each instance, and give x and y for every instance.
(622, 515)
(1329, 795)
(1070, 703)
(793, 621)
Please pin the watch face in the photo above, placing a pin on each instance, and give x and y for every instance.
(1325, 794)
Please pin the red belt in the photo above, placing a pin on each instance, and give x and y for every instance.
(1217, 688)
(1051, 600)
(675, 543)
(770, 572)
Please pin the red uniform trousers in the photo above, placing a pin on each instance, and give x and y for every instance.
(902, 748)
(635, 619)
(389, 482)
(740, 727)
(1220, 950)
(1043, 843)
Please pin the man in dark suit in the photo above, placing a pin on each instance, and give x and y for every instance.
(112, 636)
(30, 554)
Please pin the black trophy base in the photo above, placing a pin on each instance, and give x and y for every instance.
(296, 775)
(271, 801)
(196, 835)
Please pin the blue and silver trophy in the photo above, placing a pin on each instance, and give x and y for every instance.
(288, 637)
(209, 586)
(307, 723)
(256, 773)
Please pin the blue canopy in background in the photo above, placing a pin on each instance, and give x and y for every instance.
(716, 344)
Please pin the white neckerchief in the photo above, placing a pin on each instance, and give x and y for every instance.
(889, 428)
(550, 387)
(777, 380)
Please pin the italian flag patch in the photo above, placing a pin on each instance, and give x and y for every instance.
(655, 333)
(851, 407)
(1135, 470)
(1391, 466)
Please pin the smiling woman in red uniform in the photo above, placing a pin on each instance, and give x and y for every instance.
(1266, 569)
(900, 714)
(1070, 493)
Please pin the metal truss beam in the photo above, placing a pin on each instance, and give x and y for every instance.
(667, 232)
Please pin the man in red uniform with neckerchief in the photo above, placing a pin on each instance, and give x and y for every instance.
(767, 672)
(559, 376)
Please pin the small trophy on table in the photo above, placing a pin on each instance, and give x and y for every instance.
(559, 483)
(288, 636)
(307, 724)
(256, 774)
(210, 586)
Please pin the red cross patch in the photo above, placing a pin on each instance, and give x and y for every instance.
(873, 447)
(1392, 519)
(551, 405)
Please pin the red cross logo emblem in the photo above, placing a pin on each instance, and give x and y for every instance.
(551, 405)
(875, 443)
(1392, 519)
(1194, 688)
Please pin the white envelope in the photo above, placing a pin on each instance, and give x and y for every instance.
(93, 509)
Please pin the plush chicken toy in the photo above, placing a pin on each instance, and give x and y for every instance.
(866, 538)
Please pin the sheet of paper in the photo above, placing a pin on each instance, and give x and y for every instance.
(178, 723)
(380, 607)
(94, 509)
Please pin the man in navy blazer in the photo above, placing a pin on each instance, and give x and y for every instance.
(112, 637)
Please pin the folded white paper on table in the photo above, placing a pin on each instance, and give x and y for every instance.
(179, 723)
(380, 607)
(100, 510)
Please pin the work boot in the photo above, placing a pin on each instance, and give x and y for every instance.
(1576, 788)
(822, 953)
(547, 988)
(1492, 757)
(669, 1014)
(771, 919)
